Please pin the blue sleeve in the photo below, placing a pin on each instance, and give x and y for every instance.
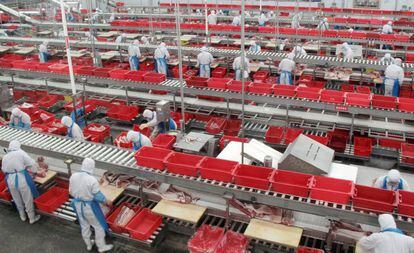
(99, 197)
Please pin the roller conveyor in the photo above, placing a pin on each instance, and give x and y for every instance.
(243, 193)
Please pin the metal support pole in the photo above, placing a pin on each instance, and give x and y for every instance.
(243, 68)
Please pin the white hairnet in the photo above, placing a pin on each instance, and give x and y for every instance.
(132, 136)
(14, 145)
(88, 165)
(389, 22)
(147, 114)
(325, 20)
(87, 34)
(213, 12)
(386, 221)
(162, 44)
(136, 42)
(204, 49)
(66, 121)
(45, 43)
(387, 55)
(398, 61)
(394, 176)
(16, 112)
(123, 35)
(144, 39)
(345, 44)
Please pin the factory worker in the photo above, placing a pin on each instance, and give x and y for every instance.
(138, 140)
(3, 34)
(121, 38)
(236, 21)
(387, 59)
(298, 51)
(392, 181)
(112, 18)
(346, 51)
(161, 56)
(70, 17)
(144, 40)
(74, 131)
(323, 25)
(19, 182)
(84, 188)
(198, 12)
(43, 52)
(151, 117)
(296, 20)
(387, 28)
(286, 67)
(255, 48)
(270, 14)
(262, 19)
(212, 18)
(134, 54)
(237, 66)
(394, 77)
(389, 240)
(19, 119)
(89, 37)
(204, 61)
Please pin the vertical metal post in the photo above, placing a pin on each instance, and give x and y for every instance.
(243, 68)
(91, 31)
(206, 21)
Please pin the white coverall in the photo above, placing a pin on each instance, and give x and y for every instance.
(286, 67)
(134, 54)
(236, 21)
(392, 73)
(389, 240)
(74, 131)
(387, 29)
(138, 139)
(204, 60)
(262, 19)
(255, 48)
(298, 51)
(43, 52)
(237, 65)
(19, 119)
(120, 39)
(347, 51)
(161, 55)
(296, 21)
(388, 59)
(323, 25)
(18, 160)
(380, 182)
(212, 18)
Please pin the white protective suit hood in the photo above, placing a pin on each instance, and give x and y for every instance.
(14, 146)
(16, 112)
(398, 62)
(394, 176)
(147, 114)
(132, 136)
(204, 49)
(66, 121)
(88, 165)
(386, 221)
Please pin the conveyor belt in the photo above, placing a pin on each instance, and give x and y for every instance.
(122, 161)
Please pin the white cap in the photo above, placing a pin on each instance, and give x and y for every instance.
(204, 49)
(123, 35)
(389, 22)
(386, 221)
(144, 39)
(387, 55)
(398, 61)
(133, 136)
(394, 176)
(325, 20)
(87, 34)
(14, 145)
(136, 42)
(16, 112)
(88, 165)
(45, 43)
(213, 12)
(162, 44)
(66, 121)
(147, 114)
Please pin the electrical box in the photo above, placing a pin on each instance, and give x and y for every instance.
(162, 110)
(307, 156)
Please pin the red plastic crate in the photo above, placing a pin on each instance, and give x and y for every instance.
(152, 157)
(274, 134)
(87, 70)
(28, 108)
(164, 141)
(261, 75)
(206, 239)
(4, 192)
(219, 72)
(384, 102)
(118, 73)
(56, 127)
(321, 139)
(406, 203)
(144, 224)
(24, 64)
(308, 250)
(389, 143)
(374, 199)
(112, 217)
(154, 78)
(332, 190)
(232, 127)
(332, 96)
(290, 182)
(98, 136)
(135, 75)
(292, 134)
(59, 68)
(226, 138)
(102, 72)
(347, 87)
(119, 143)
(261, 88)
(49, 100)
(218, 83)
(123, 112)
(42, 117)
(215, 125)
(183, 164)
(235, 85)
(407, 153)
(252, 176)
(284, 90)
(362, 146)
(358, 99)
(197, 81)
(363, 89)
(90, 105)
(52, 199)
(406, 104)
(217, 169)
(308, 93)
(232, 242)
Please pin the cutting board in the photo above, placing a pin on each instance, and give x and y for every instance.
(49, 175)
(111, 192)
(25, 50)
(275, 233)
(186, 212)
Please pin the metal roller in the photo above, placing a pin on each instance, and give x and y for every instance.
(104, 153)
(111, 156)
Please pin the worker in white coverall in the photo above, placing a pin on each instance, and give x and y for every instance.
(19, 182)
(90, 37)
(84, 188)
(144, 40)
(298, 51)
(204, 61)
(387, 59)
(212, 18)
(19, 119)
(121, 38)
(255, 48)
(323, 25)
(392, 181)
(262, 19)
(138, 140)
(134, 54)
(237, 66)
(394, 77)
(43, 52)
(74, 131)
(389, 240)
(152, 122)
(286, 67)
(296, 20)
(346, 51)
(161, 56)
(236, 21)
(387, 28)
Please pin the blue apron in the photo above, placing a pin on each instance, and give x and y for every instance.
(44, 57)
(97, 211)
(238, 74)
(29, 182)
(139, 145)
(161, 126)
(70, 135)
(395, 88)
(70, 17)
(254, 48)
(262, 23)
(162, 63)
(393, 230)
(20, 124)
(134, 62)
(288, 75)
(79, 112)
(399, 187)
(204, 68)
